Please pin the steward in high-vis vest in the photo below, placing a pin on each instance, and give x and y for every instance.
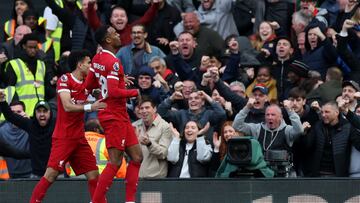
(54, 29)
(96, 140)
(28, 74)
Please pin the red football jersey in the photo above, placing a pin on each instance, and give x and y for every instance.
(70, 124)
(107, 74)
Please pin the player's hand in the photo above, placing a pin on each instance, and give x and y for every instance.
(129, 80)
(176, 133)
(98, 105)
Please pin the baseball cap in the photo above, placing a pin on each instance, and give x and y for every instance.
(299, 68)
(261, 87)
(42, 104)
(146, 70)
(351, 83)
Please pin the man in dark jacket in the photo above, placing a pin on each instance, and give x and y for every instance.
(40, 129)
(330, 143)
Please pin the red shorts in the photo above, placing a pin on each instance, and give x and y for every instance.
(119, 134)
(75, 151)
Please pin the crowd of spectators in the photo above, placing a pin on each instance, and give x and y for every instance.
(284, 72)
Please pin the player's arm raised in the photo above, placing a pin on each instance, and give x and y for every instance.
(116, 92)
(69, 106)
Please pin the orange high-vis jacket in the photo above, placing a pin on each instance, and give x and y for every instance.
(4, 174)
(97, 144)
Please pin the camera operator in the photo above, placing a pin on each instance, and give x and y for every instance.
(274, 133)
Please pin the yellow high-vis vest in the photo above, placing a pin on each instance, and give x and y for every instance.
(29, 88)
(9, 29)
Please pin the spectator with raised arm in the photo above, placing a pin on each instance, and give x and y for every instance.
(189, 154)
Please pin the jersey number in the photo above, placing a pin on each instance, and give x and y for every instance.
(104, 88)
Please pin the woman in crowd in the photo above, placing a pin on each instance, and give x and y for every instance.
(20, 6)
(189, 155)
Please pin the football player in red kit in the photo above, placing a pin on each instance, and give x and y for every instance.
(107, 74)
(68, 140)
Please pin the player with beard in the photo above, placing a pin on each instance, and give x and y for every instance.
(108, 74)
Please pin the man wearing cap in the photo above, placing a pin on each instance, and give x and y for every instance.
(151, 87)
(346, 108)
(256, 112)
(40, 129)
(350, 87)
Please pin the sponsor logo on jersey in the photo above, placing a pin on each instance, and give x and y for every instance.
(116, 66)
(64, 78)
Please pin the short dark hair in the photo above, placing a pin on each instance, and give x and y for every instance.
(77, 56)
(333, 104)
(100, 34)
(145, 99)
(297, 92)
(29, 37)
(186, 32)
(21, 103)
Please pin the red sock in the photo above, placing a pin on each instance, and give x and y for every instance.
(104, 183)
(131, 180)
(40, 190)
(92, 186)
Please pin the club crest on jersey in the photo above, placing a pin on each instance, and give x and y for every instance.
(64, 78)
(116, 66)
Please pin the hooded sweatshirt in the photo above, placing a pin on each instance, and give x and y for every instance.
(292, 132)
(39, 137)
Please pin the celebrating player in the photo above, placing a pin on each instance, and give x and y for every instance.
(68, 141)
(108, 75)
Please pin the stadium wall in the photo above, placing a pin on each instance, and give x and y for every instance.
(198, 190)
